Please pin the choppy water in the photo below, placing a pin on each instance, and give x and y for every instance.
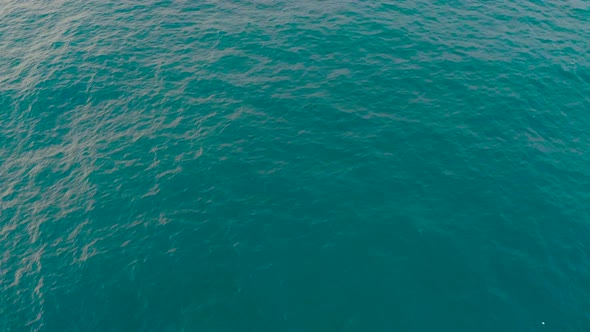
(294, 165)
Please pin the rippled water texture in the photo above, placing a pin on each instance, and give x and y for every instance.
(294, 165)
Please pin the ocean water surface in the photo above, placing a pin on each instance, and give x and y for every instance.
(269, 165)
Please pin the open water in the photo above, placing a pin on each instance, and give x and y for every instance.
(270, 165)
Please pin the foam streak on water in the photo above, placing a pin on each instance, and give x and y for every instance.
(294, 166)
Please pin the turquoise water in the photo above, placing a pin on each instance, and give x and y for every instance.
(294, 165)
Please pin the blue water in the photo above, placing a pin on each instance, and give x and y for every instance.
(294, 166)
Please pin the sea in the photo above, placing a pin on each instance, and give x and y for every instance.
(297, 166)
